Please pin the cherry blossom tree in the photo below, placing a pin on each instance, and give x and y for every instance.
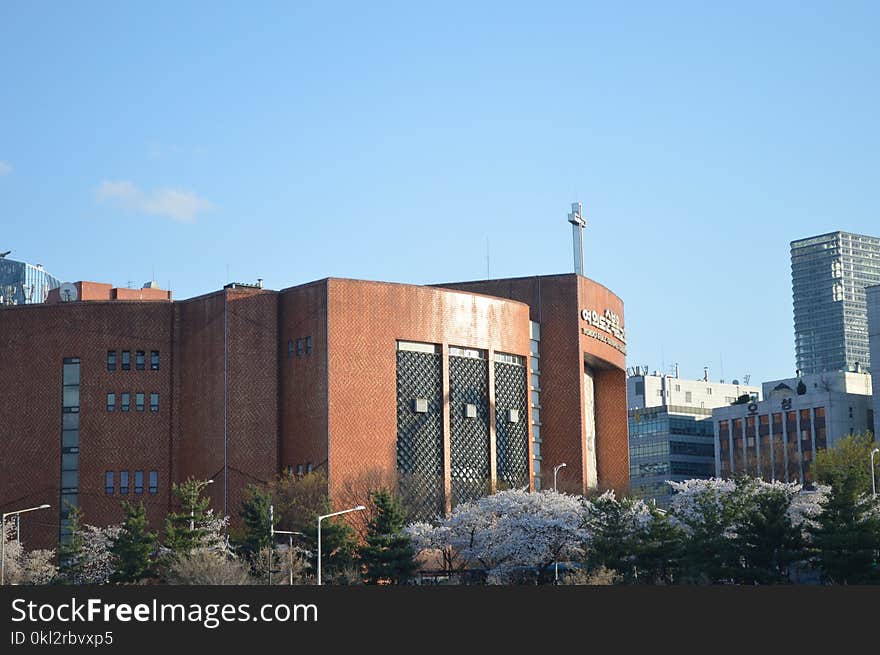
(34, 567)
(509, 531)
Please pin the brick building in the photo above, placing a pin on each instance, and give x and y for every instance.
(451, 391)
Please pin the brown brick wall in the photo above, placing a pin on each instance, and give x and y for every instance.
(34, 340)
(303, 379)
(247, 319)
(555, 302)
(199, 379)
(365, 320)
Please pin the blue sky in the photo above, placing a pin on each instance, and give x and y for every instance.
(295, 141)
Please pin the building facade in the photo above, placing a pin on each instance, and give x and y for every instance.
(577, 378)
(872, 295)
(829, 274)
(777, 438)
(22, 283)
(450, 393)
(671, 434)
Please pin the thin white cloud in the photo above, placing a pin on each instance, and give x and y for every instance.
(176, 204)
(5, 168)
(119, 191)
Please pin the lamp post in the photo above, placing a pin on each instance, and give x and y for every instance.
(556, 561)
(3, 537)
(359, 508)
(873, 481)
(289, 533)
(197, 488)
(556, 472)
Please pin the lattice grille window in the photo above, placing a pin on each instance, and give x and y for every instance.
(420, 433)
(469, 437)
(511, 437)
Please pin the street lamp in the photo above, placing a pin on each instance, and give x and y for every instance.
(197, 488)
(359, 508)
(289, 533)
(556, 561)
(3, 537)
(555, 472)
(873, 482)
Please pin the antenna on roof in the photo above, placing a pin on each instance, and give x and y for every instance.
(488, 274)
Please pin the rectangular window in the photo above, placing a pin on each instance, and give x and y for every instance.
(111, 360)
(507, 358)
(473, 353)
(139, 402)
(123, 482)
(71, 373)
(688, 397)
(289, 348)
(70, 438)
(111, 402)
(308, 345)
(154, 482)
(139, 482)
(108, 482)
(125, 401)
(154, 402)
(299, 347)
(70, 396)
(126, 360)
(69, 481)
(140, 360)
(154, 360)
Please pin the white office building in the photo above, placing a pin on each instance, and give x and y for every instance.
(776, 438)
(671, 436)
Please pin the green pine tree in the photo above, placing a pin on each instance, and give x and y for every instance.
(658, 550)
(255, 514)
(388, 555)
(613, 536)
(133, 547)
(767, 543)
(338, 545)
(184, 530)
(70, 552)
(847, 537)
(708, 555)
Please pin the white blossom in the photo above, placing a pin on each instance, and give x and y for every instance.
(97, 563)
(33, 567)
(508, 530)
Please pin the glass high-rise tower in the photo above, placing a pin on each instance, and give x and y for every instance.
(829, 274)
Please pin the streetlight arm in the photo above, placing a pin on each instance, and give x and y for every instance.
(22, 511)
(327, 516)
(345, 511)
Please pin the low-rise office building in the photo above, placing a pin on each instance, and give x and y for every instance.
(777, 438)
(671, 436)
